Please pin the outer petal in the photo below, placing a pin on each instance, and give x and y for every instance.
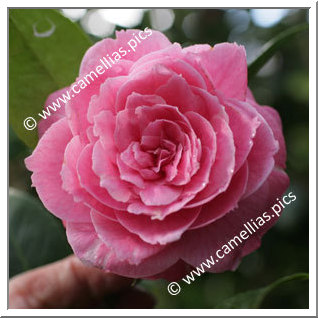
(197, 48)
(86, 244)
(225, 202)
(272, 118)
(92, 251)
(127, 246)
(172, 58)
(154, 57)
(192, 56)
(155, 231)
(46, 164)
(153, 42)
(106, 99)
(68, 172)
(90, 182)
(274, 187)
(44, 124)
(244, 130)
(226, 64)
(261, 157)
(71, 182)
(77, 108)
(200, 244)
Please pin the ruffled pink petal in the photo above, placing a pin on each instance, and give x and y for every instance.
(46, 163)
(201, 179)
(155, 56)
(108, 173)
(90, 135)
(87, 246)
(192, 55)
(169, 113)
(134, 100)
(159, 194)
(77, 164)
(203, 130)
(127, 129)
(106, 99)
(265, 146)
(177, 92)
(135, 158)
(159, 212)
(76, 111)
(77, 108)
(130, 175)
(274, 188)
(226, 63)
(171, 170)
(172, 58)
(163, 128)
(153, 42)
(96, 196)
(198, 245)
(69, 175)
(208, 105)
(92, 251)
(154, 231)
(144, 83)
(127, 246)
(206, 135)
(133, 125)
(225, 202)
(223, 167)
(105, 157)
(273, 119)
(44, 124)
(184, 169)
(244, 130)
(197, 48)
(104, 128)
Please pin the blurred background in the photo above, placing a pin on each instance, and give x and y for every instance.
(282, 83)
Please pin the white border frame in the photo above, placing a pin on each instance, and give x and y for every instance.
(312, 163)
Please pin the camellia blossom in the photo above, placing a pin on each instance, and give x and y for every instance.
(161, 160)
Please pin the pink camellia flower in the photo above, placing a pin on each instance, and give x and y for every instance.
(161, 159)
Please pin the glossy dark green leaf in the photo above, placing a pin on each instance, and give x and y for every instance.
(45, 51)
(35, 236)
(253, 299)
(271, 48)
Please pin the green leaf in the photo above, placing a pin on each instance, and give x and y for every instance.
(271, 47)
(45, 51)
(253, 299)
(35, 236)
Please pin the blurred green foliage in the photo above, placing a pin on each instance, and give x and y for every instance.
(31, 225)
(283, 84)
(254, 299)
(40, 65)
